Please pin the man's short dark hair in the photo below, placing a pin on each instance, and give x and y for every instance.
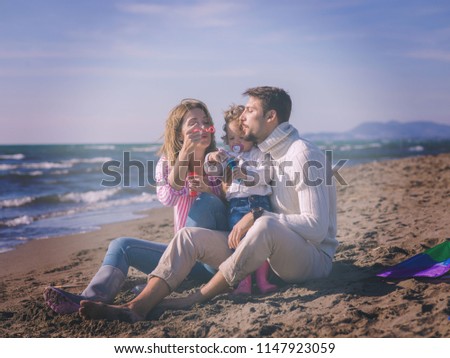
(273, 98)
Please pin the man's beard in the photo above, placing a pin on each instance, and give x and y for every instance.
(251, 138)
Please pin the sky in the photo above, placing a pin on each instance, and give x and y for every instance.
(109, 71)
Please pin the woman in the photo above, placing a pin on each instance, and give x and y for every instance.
(181, 183)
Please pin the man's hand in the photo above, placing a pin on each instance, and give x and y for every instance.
(239, 230)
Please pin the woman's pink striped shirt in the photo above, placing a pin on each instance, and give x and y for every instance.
(179, 199)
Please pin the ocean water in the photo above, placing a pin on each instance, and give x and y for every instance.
(54, 190)
(363, 151)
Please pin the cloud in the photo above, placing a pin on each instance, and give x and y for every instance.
(143, 9)
(202, 14)
(128, 72)
(333, 5)
(435, 55)
(333, 36)
(31, 54)
(114, 50)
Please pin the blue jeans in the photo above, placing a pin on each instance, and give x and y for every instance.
(238, 207)
(209, 212)
(144, 255)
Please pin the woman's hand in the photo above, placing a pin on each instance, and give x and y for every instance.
(198, 183)
(239, 230)
(178, 175)
(190, 141)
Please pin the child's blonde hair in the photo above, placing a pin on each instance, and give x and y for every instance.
(230, 115)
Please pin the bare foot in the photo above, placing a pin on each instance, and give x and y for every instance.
(182, 303)
(99, 310)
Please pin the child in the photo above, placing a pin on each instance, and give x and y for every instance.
(248, 188)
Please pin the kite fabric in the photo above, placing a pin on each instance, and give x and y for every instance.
(433, 262)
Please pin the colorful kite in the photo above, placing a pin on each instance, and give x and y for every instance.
(434, 262)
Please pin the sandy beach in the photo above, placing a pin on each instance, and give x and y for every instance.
(389, 211)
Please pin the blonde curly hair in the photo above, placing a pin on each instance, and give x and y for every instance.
(233, 113)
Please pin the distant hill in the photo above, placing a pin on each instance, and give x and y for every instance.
(387, 130)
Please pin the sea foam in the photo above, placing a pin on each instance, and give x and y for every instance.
(8, 166)
(90, 197)
(21, 220)
(15, 202)
(46, 165)
(18, 156)
(87, 160)
(101, 147)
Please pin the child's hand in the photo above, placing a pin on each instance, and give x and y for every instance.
(239, 230)
(213, 164)
(218, 156)
(239, 173)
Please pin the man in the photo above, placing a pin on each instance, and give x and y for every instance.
(298, 238)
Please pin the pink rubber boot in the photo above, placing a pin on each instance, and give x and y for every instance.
(244, 287)
(262, 274)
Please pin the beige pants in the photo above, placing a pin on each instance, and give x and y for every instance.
(291, 257)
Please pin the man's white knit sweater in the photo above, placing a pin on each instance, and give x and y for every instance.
(302, 199)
